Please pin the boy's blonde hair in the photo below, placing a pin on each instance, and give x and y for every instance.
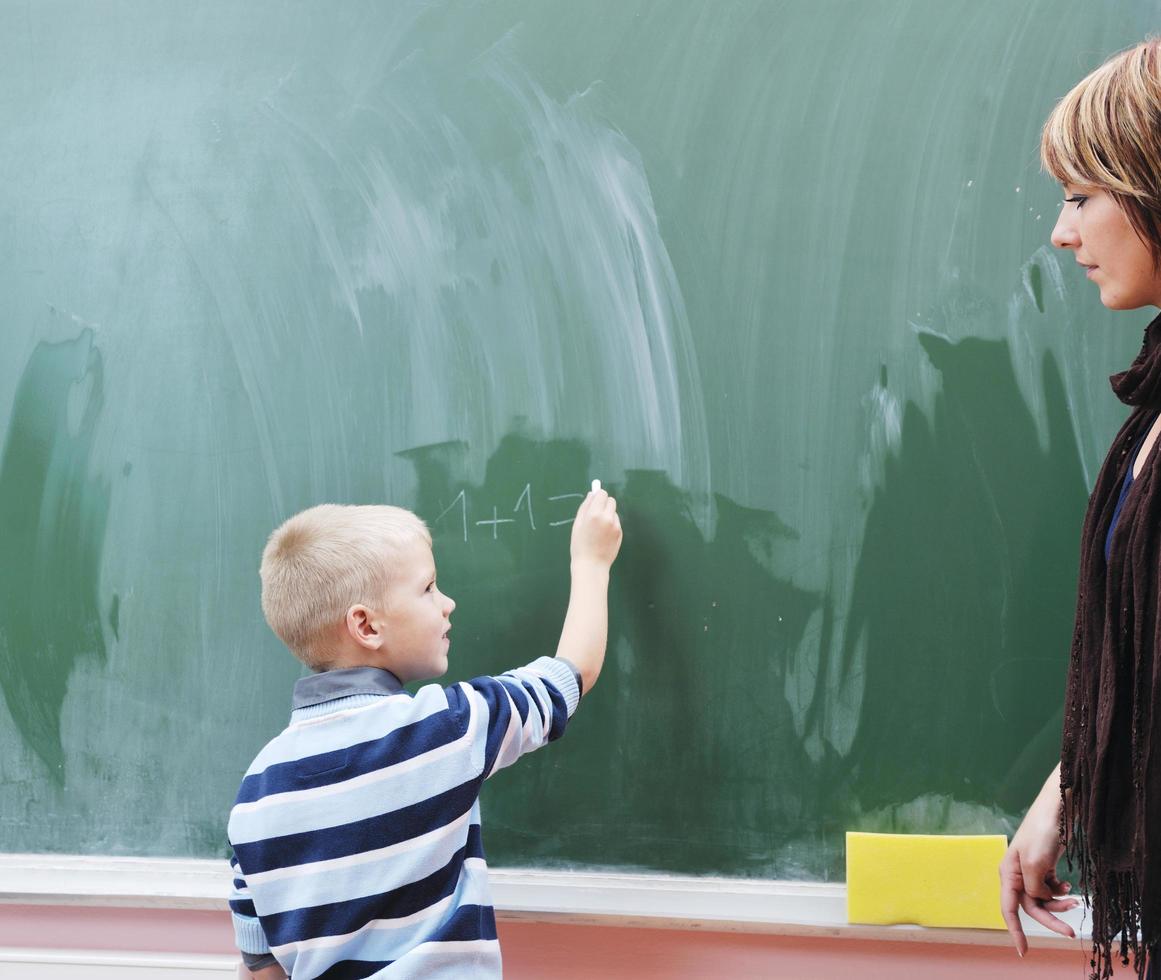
(1106, 133)
(326, 559)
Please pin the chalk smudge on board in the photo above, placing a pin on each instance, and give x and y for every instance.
(53, 510)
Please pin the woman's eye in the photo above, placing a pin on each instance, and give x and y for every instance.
(1077, 199)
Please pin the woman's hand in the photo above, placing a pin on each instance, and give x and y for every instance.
(1028, 878)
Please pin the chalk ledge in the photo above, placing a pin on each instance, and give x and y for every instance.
(568, 897)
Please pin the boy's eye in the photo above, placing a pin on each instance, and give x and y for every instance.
(430, 586)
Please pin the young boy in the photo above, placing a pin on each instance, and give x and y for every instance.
(356, 832)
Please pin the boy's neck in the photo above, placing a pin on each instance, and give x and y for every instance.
(348, 662)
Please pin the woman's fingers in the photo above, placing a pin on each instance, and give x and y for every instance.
(1037, 911)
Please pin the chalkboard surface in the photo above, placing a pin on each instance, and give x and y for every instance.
(776, 272)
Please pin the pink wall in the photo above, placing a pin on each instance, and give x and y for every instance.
(139, 930)
(536, 950)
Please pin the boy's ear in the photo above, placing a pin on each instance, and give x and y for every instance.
(363, 629)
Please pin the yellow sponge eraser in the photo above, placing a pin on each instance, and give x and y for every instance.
(926, 879)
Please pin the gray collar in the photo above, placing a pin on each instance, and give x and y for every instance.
(332, 684)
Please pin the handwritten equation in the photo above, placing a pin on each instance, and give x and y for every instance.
(523, 503)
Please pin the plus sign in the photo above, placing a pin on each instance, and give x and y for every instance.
(495, 521)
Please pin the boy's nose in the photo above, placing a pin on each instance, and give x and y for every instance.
(451, 605)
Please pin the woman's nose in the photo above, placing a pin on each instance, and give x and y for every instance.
(1065, 235)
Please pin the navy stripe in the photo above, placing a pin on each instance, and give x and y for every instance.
(516, 691)
(496, 695)
(470, 922)
(354, 970)
(360, 836)
(339, 918)
(328, 768)
(534, 699)
(559, 711)
(243, 906)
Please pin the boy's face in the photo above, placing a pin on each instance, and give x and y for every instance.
(416, 619)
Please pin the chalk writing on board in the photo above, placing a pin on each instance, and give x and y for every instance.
(524, 502)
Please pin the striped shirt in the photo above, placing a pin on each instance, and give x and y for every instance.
(356, 832)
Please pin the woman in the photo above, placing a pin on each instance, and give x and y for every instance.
(1102, 804)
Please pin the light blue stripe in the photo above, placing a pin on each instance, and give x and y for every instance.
(533, 733)
(370, 724)
(559, 674)
(370, 878)
(248, 934)
(483, 717)
(390, 944)
(333, 706)
(446, 964)
(326, 807)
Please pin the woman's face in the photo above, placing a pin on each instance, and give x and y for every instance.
(1106, 244)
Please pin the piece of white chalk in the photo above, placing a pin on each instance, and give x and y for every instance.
(596, 485)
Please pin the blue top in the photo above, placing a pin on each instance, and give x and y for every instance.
(1124, 496)
(1117, 510)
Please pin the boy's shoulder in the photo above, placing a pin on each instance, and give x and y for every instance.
(345, 723)
(333, 715)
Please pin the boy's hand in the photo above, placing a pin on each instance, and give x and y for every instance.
(596, 532)
(596, 539)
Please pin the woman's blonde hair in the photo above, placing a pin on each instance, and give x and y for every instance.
(1106, 133)
(326, 559)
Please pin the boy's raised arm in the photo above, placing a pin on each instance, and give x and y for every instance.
(596, 539)
(527, 707)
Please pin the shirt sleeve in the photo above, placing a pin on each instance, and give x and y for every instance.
(516, 712)
(258, 961)
(248, 933)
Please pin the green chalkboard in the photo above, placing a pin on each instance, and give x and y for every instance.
(776, 272)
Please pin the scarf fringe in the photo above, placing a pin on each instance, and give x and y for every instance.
(1116, 902)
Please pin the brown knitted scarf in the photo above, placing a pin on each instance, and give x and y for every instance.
(1111, 822)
